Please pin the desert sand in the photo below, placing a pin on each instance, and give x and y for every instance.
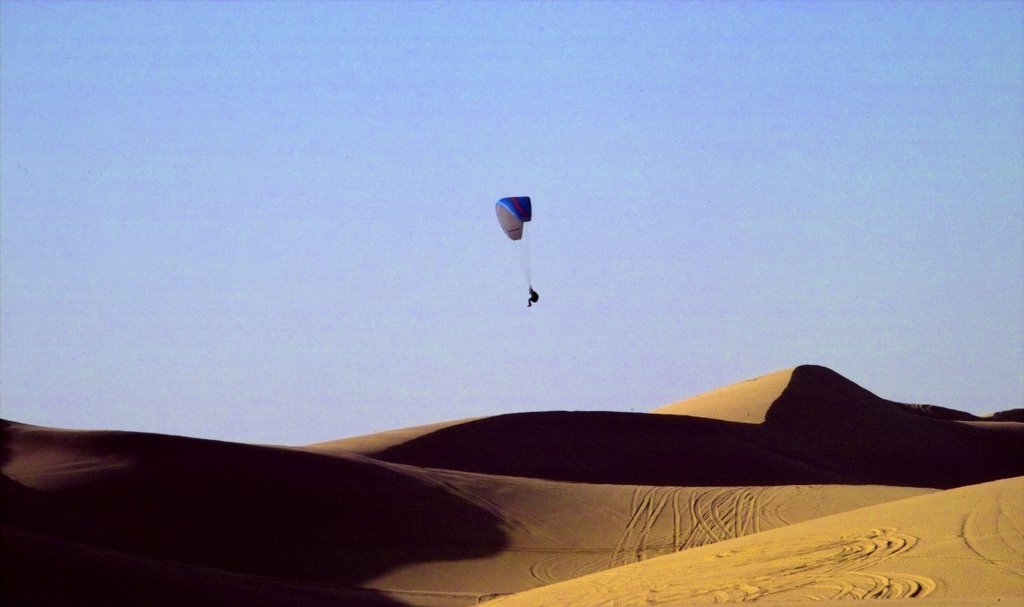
(793, 487)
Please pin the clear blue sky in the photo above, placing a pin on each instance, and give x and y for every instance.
(274, 222)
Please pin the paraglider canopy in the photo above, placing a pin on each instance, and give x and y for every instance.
(512, 213)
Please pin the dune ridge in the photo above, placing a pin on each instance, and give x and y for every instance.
(506, 507)
(821, 428)
(746, 402)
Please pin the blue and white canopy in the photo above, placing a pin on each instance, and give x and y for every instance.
(513, 212)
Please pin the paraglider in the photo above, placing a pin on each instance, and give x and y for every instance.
(513, 213)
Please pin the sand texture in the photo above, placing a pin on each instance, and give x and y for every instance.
(793, 487)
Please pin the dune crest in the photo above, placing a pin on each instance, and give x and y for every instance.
(745, 402)
(374, 443)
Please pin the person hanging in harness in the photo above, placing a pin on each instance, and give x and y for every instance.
(533, 297)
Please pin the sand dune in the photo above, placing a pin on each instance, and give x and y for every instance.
(346, 521)
(747, 401)
(956, 544)
(560, 531)
(797, 466)
(821, 428)
(275, 513)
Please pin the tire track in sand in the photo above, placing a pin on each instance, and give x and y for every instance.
(698, 516)
(992, 532)
(816, 567)
(813, 569)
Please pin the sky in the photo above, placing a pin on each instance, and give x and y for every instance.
(274, 222)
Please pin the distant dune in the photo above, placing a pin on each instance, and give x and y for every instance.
(812, 426)
(795, 486)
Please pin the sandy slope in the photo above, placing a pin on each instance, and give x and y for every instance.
(460, 512)
(557, 531)
(746, 402)
(960, 543)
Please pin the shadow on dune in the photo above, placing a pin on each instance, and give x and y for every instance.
(240, 522)
(614, 448)
(846, 427)
(822, 429)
